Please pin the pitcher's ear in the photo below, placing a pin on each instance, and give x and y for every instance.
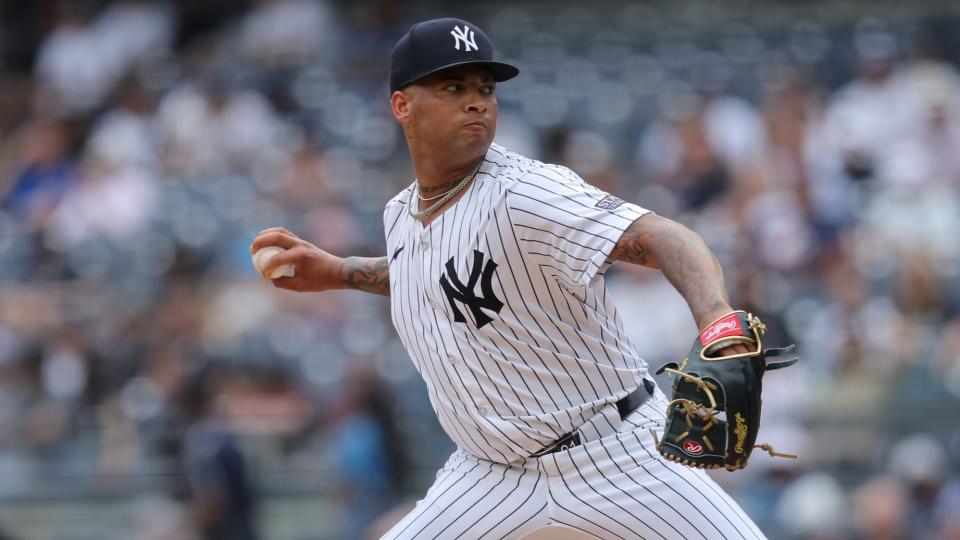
(400, 105)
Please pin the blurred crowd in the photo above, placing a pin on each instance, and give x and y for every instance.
(143, 144)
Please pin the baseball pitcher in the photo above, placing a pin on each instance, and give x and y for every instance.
(495, 271)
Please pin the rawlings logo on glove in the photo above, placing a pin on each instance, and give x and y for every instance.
(705, 385)
(727, 326)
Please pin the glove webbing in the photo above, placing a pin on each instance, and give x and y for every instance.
(708, 414)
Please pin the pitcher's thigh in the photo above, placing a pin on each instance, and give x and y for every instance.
(477, 499)
(640, 495)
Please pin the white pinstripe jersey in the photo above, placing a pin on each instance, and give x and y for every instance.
(501, 304)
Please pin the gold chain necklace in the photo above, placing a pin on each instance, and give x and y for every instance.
(425, 199)
(422, 215)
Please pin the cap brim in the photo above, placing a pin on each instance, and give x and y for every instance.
(501, 71)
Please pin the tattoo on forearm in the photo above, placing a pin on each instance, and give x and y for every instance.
(684, 259)
(370, 275)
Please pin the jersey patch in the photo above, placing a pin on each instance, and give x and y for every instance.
(609, 202)
(457, 291)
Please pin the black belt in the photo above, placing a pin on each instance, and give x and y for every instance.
(625, 406)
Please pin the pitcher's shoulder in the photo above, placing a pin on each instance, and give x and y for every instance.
(400, 199)
(504, 158)
(508, 166)
(395, 206)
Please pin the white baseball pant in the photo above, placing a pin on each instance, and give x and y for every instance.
(615, 487)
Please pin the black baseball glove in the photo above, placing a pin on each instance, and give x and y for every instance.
(714, 415)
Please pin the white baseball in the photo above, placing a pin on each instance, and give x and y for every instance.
(262, 257)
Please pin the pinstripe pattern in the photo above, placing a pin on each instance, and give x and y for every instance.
(546, 356)
(614, 487)
(554, 356)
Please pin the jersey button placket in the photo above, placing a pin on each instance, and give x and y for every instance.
(424, 248)
(425, 241)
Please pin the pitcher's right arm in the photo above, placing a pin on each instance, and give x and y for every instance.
(317, 270)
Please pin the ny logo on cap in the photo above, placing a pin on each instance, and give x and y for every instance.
(462, 35)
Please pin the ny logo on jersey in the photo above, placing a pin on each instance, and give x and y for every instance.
(456, 291)
(466, 36)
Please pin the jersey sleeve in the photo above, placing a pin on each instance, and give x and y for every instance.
(566, 224)
(393, 212)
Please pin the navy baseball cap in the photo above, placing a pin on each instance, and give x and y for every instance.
(438, 44)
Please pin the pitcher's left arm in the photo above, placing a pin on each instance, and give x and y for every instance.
(685, 260)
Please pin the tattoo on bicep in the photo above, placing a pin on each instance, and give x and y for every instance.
(630, 248)
(368, 275)
(682, 256)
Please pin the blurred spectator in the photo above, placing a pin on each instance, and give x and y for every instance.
(863, 117)
(659, 339)
(222, 497)
(216, 129)
(851, 326)
(588, 153)
(45, 173)
(73, 61)
(45, 420)
(303, 180)
(813, 507)
(920, 463)
(286, 32)
(134, 31)
(778, 211)
(702, 146)
(947, 362)
(126, 135)
(880, 510)
(370, 458)
(109, 200)
(921, 153)
(149, 403)
(947, 511)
